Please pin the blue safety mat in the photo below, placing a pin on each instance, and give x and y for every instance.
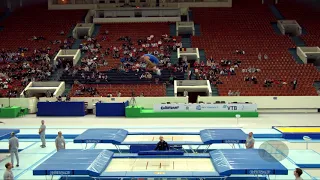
(189, 178)
(213, 136)
(113, 136)
(246, 161)
(150, 143)
(6, 133)
(75, 162)
(310, 158)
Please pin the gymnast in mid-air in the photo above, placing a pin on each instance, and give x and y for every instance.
(151, 62)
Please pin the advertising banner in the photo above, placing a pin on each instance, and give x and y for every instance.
(204, 107)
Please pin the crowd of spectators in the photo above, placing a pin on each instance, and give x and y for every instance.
(23, 65)
(17, 69)
(212, 70)
(86, 90)
(280, 83)
(233, 93)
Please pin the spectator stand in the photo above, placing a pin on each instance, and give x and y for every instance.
(232, 40)
(32, 45)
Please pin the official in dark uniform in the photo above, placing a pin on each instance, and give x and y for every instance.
(162, 145)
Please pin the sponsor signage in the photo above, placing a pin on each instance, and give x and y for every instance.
(92, 141)
(60, 172)
(204, 107)
(232, 141)
(259, 172)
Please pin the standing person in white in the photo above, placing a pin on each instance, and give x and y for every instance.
(13, 148)
(60, 143)
(8, 175)
(42, 133)
(250, 141)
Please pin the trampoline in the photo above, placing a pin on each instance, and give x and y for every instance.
(105, 164)
(298, 132)
(147, 141)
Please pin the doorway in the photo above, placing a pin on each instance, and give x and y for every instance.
(193, 96)
(315, 62)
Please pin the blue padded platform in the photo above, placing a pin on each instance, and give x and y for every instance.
(75, 162)
(246, 161)
(114, 136)
(160, 153)
(61, 109)
(6, 133)
(148, 143)
(213, 136)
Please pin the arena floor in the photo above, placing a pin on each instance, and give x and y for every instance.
(33, 155)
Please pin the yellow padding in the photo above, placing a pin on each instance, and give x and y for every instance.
(299, 129)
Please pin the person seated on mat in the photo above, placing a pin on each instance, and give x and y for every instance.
(250, 141)
(162, 145)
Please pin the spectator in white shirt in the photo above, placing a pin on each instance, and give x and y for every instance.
(266, 57)
(142, 76)
(185, 93)
(259, 56)
(209, 63)
(185, 59)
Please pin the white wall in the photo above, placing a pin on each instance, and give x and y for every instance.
(61, 88)
(152, 2)
(302, 55)
(140, 19)
(199, 4)
(268, 102)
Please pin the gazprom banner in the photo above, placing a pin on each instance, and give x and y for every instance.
(204, 107)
